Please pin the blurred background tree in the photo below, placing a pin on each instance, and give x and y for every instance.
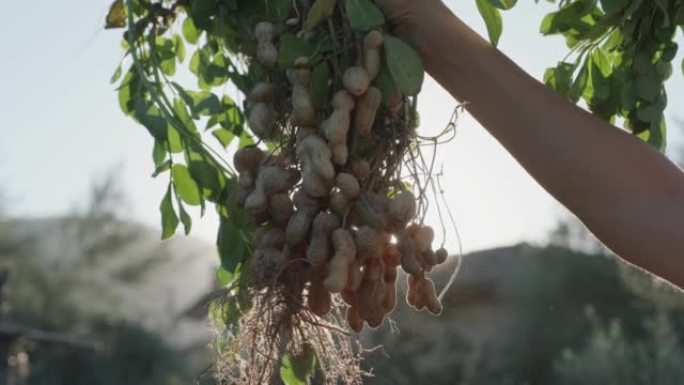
(65, 318)
(611, 357)
(538, 315)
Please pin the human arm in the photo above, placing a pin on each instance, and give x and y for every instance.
(629, 195)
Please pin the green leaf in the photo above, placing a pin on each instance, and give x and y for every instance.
(602, 62)
(633, 7)
(205, 103)
(649, 113)
(560, 78)
(299, 369)
(658, 138)
(652, 112)
(190, 32)
(165, 50)
(628, 97)
(231, 119)
(224, 136)
(663, 70)
(231, 245)
(655, 135)
(185, 186)
(292, 48)
(612, 7)
(580, 83)
(185, 218)
(279, 10)
(183, 116)
(319, 12)
(669, 52)
(578, 21)
(320, 84)
(210, 67)
(492, 19)
(196, 62)
(205, 175)
(648, 87)
(503, 4)
(404, 65)
(202, 12)
(116, 75)
(180, 48)
(130, 86)
(663, 5)
(224, 277)
(599, 89)
(246, 140)
(363, 15)
(174, 140)
(151, 117)
(116, 17)
(679, 17)
(168, 215)
(165, 166)
(168, 67)
(159, 153)
(385, 83)
(200, 102)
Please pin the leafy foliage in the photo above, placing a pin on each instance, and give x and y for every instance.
(612, 357)
(621, 54)
(66, 290)
(170, 112)
(133, 356)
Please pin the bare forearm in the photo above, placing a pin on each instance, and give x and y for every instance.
(628, 194)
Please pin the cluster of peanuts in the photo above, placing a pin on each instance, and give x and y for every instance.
(317, 204)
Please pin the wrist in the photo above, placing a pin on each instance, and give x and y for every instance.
(426, 27)
(413, 22)
(452, 53)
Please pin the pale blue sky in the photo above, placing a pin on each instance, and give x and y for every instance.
(62, 126)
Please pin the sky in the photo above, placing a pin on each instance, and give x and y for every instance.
(62, 127)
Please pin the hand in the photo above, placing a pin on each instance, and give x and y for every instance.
(407, 15)
(397, 11)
